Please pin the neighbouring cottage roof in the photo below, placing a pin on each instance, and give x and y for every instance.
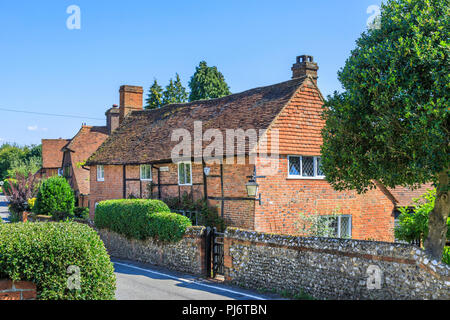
(85, 142)
(145, 136)
(51, 152)
(404, 196)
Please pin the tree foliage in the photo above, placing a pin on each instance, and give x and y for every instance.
(154, 97)
(23, 159)
(207, 83)
(174, 92)
(413, 223)
(391, 123)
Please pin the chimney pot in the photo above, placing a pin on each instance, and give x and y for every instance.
(305, 66)
(112, 118)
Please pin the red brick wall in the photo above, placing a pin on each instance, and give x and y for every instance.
(299, 127)
(17, 290)
(111, 188)
(236, 213)
(283, 199)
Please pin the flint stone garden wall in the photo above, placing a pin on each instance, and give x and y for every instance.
(327, 268)
(186, 255)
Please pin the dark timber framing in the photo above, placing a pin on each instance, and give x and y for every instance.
(160, 185)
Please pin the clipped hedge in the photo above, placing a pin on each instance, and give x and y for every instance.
(42, 253)
(168, 226)
(140, 219)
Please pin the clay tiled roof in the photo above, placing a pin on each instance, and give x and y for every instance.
(404, 196)
(85, 142)
(51, 152)
(145, 136)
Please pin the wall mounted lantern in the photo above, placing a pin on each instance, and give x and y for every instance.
(252, 187)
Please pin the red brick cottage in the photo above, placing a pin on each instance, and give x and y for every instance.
(66, 157)
(51, 157)
(286, 115)
(75, 154)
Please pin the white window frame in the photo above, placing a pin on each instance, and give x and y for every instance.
(190, 171)
(100, 173)
(339, 217)
(300, 176)
(60, 172)
(141, 167)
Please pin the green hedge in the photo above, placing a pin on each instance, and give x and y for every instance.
(140, 219)
(168, 226)
(42, 253)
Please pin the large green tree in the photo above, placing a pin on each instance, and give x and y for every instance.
(174, 92)
(15, 158)
(391, 122)
(154, 96)
(207, 83)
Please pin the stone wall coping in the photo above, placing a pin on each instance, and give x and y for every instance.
(374, 250)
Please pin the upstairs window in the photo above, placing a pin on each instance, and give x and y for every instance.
(305, 167)
(100, 173)
(184, 173)
(146, 172)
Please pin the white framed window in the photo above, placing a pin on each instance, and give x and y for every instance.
(100, 173)
(146, 172)
(60, 172)
(305, 167)
(184, 173)
(337, 226)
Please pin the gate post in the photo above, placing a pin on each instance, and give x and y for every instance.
(208, 240)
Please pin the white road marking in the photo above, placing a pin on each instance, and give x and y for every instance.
(188, 281)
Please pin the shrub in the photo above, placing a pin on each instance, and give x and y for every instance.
(207, 216)
(20, 191)
(7, 185)
(31, 203)
(42, 253)
(62, 216)
(81, 213)
(413, 224)
(55, 195)
(446, 255)
(168, 226)
(130, 217)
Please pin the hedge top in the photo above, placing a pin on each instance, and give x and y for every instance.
(141, 219)
(43, 252)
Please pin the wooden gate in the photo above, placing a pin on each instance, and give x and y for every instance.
(214, 252)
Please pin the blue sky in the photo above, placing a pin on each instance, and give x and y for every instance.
(45, 67)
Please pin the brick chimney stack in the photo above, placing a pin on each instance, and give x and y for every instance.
(305, 66)
(112, 118)
(130, 100)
